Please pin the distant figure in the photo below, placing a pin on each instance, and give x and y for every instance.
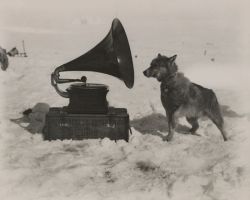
(13, 52)
(205, 52)
(4, 62)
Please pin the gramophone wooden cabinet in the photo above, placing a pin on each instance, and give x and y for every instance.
(62, 125)
(87, 99)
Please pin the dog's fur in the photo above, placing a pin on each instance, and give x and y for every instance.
(180, 97)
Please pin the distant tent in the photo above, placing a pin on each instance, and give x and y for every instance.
(4, 62)
(13, 52)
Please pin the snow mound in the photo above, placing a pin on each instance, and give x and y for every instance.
(189, 167)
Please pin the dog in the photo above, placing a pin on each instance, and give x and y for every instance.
(180, 97)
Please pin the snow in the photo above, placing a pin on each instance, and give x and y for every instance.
(189, 167)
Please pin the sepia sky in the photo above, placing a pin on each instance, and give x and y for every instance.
(47, 13)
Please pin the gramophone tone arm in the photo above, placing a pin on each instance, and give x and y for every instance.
(56, 80)
(55, 75)
(54, 84)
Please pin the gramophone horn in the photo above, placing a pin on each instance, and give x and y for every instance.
(111, 56)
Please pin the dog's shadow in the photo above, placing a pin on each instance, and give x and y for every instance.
(228, 112)
(156, 123)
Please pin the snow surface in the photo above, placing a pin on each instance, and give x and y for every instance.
(189, 167)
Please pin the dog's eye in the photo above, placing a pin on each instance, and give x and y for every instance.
(153, 64)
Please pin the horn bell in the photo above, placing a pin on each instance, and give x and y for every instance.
(111, 56)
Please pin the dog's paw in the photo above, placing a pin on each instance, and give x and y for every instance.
(168, 138)
(194, 133)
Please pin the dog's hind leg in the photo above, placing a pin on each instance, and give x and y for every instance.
(194, 122)
(214, 113)
(217, 119)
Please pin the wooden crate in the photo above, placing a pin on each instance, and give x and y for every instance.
(62, 125)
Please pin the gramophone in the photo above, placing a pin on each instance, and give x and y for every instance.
(88, 114)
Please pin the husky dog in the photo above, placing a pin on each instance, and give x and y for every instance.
(180, 97)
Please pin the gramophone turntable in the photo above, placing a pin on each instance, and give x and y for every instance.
(88, 114)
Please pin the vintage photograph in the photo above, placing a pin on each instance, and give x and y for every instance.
(124, 100)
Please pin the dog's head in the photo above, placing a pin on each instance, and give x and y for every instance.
(161, 67)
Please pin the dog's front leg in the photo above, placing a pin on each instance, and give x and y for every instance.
(171, 126)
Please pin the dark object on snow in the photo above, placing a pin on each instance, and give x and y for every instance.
(87, 101)
(4, 61)
(13, 52)
(34, 118)
(27, 112)
(62, 125)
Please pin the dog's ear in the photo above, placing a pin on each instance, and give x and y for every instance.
(159, 55)
(172, 59)
(172, 67)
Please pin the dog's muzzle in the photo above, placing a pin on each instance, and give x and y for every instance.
(146, 73)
